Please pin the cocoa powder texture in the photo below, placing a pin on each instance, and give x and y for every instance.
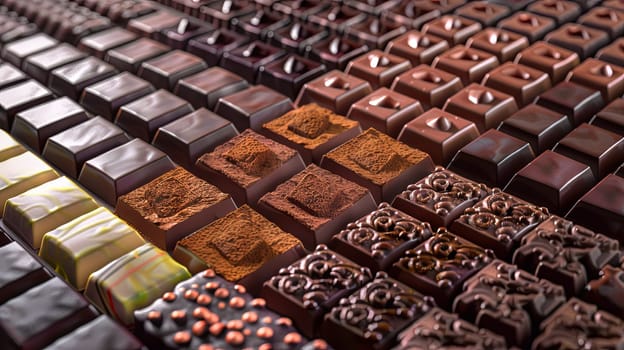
(376, 156)
(172, 198)
(246, 158)
(310, 125)
(314, 196)
(239, 243)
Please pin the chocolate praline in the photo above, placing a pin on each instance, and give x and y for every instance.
(315, 204)
(484, 12)
(210, 47)
(469, 64)
(606, 19)
(247, 60)
(331, 277)
(385, 110)
(484, 106)
(533, 26)
(454, 29)
(613, 53)
(499, 42)
(492, 158)
(553, 181)
(605, 290)
(417, 47)
(583, 40)
(519, 81)
(541, 127)
(498, 222)
(577, 102)
(165, 71)
(560, 11)
(288, 74)
(566, 254)
(130, 57)
(379, 238)
(375, 32)
(336, 52)
(596, 74)
(610, 117)
(178, 36)
(437, 268)
(378, 162)
(221, 13)
(430, 86)
(334, 90)
(438, 133)
(527, 301)
(378, 68)
(548, 58)
(257, 25)
(297, 37)
(337, 18)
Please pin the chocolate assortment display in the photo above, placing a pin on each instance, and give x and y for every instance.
(132, 130)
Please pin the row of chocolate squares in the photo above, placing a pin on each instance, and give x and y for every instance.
(498, 220)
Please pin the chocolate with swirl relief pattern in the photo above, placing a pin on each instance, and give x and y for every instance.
(307, 289)
(508, 301)
(565, 253)
(441, 330)
(499, 222)
(440, 197)
(440, 266)
(579, 326)
(379, 238)
(371, 318)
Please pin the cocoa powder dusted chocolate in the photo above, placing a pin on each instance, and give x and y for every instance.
(249, 165)
(315, 204)
(312, 130)
(379, 162)
(172, 206)
(237, 246)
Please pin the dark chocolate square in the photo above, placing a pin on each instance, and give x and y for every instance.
(533, 26)
(152, 24)
(288, 74)
(247, 60)
(9, 75)
(98, 44)
(452, 28)
(334, 90)
(499, 42)
(417, 47)
(560, 11)
(498, 222)
(469, 64)
(210, 47)
(20, 97)
(71, 79)
(613, 53)
(40, 65)
(577, 102)
(583, 40)
(336, 52)
(130, 57)
(20, 271)
(610, 117)
(596, 74)
(178, 36)
(521, 82)
(606, 19)
(378, 68)
(204, 89)
(165, 71)
(16, 51)
(486, 13)
(430, 86)
(548, 58)
(297, 36)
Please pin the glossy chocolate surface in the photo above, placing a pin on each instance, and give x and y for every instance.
(576, 321)
(165, 71)
(385, 110)
(288, 74)
(379, 238)
(610, 117)
(336, 52)
(100, 334)
(566, 254)
(204, 89)
(601, 149)
(454, 29)
(387, 315)
(613, 53)
(483, 12)
(334, 90)
(311, 130)
(519, 81)
(70, 80)
(20, 271)
(440, 329)
(481, 105)
(605, 19)
(378, 162)
(548, 58)
(247, 60)
(492, 158)
(16, 51)
(583, 40)
(577, 102)
(192, 135)
(553, 181)
(68, 150)
(20, 97)
(331, 277)
(210, 47)
(178, 36)
(438, 133)
(378, 68)
(501, 43)
(130, 57)
(541, 127)
(337, 18)
(596, 74)
(98, 44)
(560, 11)
(222, 12)
(46, 312)
(430, 86)
(297, 37)
(417, 47)
(375, 32)
(469, 64)
(9, 75)
(411, 14)
(152, 24)
(35, 125)
(40, 65)
(250, 108)
(527, 301)
(601, 208)
(530, 25)
(122, 169)
(440, 266)
(105, 98)
(257, 25)
(142, 117)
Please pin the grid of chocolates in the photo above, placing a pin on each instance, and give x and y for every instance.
(162, 160)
